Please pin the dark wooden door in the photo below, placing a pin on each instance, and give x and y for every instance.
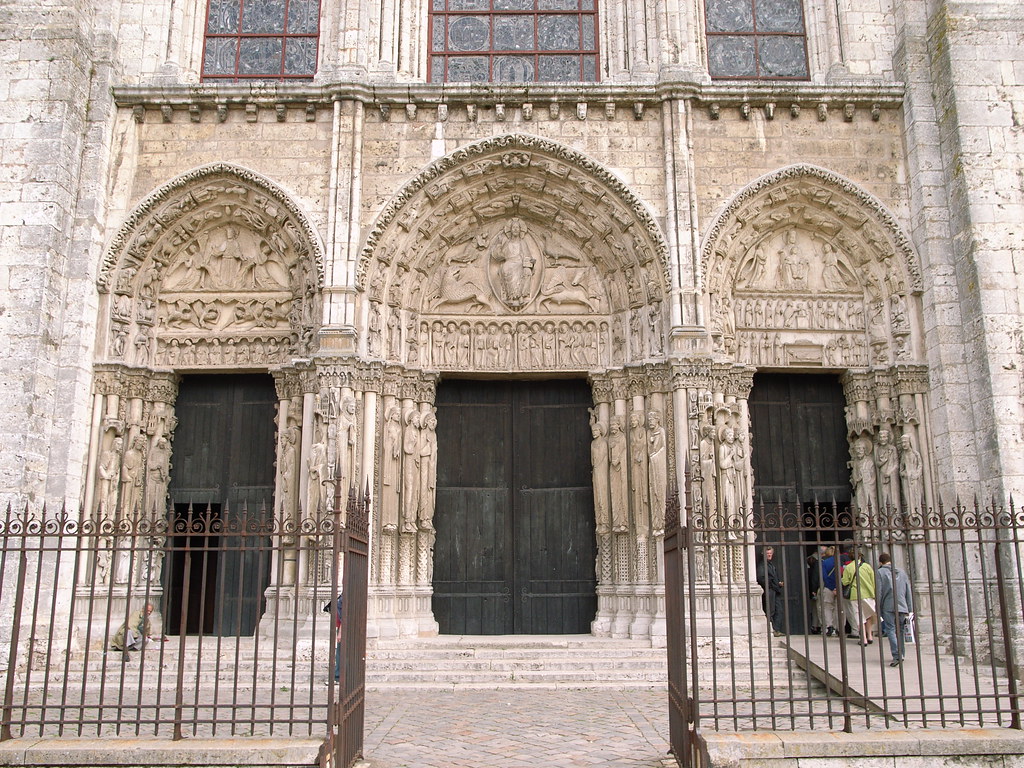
(799, 455)
(222, 469)
(515, 546)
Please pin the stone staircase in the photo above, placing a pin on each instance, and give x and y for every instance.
(453, 662)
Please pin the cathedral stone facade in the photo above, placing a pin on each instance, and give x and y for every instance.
(380, 216)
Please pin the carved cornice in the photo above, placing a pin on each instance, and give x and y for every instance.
(865, 201)
(180, 186)
(505, 143)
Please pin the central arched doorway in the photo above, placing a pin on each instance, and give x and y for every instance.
(515, 547)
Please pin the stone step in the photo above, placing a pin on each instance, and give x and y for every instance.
(467, 662)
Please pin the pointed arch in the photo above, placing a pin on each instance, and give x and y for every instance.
(164, 207)
(514, 151)
(849, 207)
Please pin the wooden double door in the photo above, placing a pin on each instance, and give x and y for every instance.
(799, 455)
(515, 549)
(222, 468)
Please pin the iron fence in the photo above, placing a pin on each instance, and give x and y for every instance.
(240, 640)
(953, 659)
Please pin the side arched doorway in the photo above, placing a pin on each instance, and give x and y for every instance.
(799, 455)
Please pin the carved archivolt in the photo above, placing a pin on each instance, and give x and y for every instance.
(514, 253)
(217, 268)
(804, 269)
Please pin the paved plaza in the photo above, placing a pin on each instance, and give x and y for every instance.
(517, 728)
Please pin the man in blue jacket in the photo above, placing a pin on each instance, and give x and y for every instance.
(895, 603)
(827, 595)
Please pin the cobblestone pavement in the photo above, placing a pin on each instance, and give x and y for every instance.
(517, 728)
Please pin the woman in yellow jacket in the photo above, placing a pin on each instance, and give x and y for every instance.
(860, 578)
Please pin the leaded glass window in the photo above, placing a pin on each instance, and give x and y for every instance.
(513, 41)
(261, 39)
(756, 39)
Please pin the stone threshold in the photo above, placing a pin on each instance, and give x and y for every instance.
(129, 752)
(879, 749)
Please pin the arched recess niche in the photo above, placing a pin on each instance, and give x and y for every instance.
(218, 268)
(514, 254)
(805, 271)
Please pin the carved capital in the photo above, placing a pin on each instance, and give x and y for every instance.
(691, 374)
(858, 387)
(911, 379)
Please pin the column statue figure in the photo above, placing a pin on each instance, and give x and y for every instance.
(599, 467)
(888, 469)
(731, 456)
(391, 462)
(912, 475)
(638, 478)
(617, 463)
(411, 471)
(657, 463)
(862, 475)
(708, 476)
(428, 470)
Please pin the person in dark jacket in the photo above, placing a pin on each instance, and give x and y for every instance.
(895, 602)
(813, 588)
(768, 578)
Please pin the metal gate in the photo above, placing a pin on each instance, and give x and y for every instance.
(683, 741)
(949, 584)
(351, 546)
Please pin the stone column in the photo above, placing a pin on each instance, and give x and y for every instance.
(600, 420)
(401, 579)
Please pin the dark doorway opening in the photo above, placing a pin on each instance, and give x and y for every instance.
(222, 480)
(516, 545)
(799, 457)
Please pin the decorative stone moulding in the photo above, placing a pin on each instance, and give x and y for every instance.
(218, 268)
(514, 253)
(804, 269)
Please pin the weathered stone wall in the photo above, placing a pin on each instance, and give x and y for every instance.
(943, 156)
(54, 125)
(976, 55)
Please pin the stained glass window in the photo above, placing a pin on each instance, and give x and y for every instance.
(756, 39)
(513, 41)
(261, 39)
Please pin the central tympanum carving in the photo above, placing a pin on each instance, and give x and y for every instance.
(512, 266)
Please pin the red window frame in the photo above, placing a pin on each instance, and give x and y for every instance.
(238, 36)
(535, 53)
(756, 35)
